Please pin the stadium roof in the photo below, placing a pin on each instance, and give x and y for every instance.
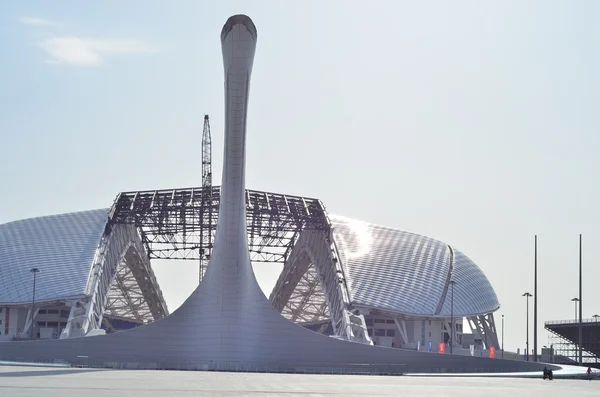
(406, 273)
(386, 269)
(61, 246)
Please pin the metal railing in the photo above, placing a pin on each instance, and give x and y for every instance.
(574, 322)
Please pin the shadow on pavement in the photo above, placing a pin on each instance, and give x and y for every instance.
(47, 372)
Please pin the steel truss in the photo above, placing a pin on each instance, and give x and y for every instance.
(312, 270)
(563, 337)
(485, 326)
(307, 303)
(121, 272)
(565, 351)
(181, 223)
(126, 298)
(206, 235)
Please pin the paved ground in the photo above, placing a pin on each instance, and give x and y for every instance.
(62, 382)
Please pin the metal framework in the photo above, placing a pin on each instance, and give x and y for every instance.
(172, 222)
(126, 298)
(562, 336)
(181, 223)
(206, 235)
(307, 303)
(485, 326)
(312, 266)
(121, 283)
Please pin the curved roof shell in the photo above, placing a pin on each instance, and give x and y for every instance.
(62, 247)
(406, 273)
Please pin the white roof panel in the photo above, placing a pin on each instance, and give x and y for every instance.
(473, 293)
(62, 247)
(394, 270)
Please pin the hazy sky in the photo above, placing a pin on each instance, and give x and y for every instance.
(468, 121)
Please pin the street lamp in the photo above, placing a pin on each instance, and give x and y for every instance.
(575, 300)
(452, 282)
(528, 295)
(503, 336)
(596, 316)
(35, 271)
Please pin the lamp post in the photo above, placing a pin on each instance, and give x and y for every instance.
(535, 300)
(452, 282)
(580, 328)
(503, 336)
(527, 295)
(596, 316)
(575, 300)
(35, 271)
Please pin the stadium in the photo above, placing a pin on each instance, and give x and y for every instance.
(342, 277)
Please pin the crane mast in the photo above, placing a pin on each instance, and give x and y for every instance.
(206, 208)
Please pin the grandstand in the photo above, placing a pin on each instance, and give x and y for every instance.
(564, 340)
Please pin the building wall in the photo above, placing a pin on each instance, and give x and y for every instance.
(48, 324)
(10, 318)
(50, 321)
(384, 332)
(4, 323)
(426, 330)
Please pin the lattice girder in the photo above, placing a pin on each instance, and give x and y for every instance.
(307, 303)
(126, 298)
(315, 258)
(175, 224)
(122, 264)
(485, 326)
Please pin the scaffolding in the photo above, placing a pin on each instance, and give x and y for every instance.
(173, 223)
(563, 335)
(206, 235)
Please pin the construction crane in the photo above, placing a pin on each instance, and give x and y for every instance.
(207, 204)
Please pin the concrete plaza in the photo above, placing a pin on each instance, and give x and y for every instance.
(60, 382)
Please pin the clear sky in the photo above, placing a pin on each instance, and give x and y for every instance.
(471, 122)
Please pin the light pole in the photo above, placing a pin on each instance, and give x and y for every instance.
(527, 295)
(535, 301)
(503, 336)
(596, 316)
(452, 282)
(580, 328)
(575, 300)
(35, 271)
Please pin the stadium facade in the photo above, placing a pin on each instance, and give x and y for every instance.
(90, 280)
(405, 288)
(401, 281)
(397, 284)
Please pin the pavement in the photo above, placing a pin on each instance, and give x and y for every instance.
(60, 382)
(566, 372)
